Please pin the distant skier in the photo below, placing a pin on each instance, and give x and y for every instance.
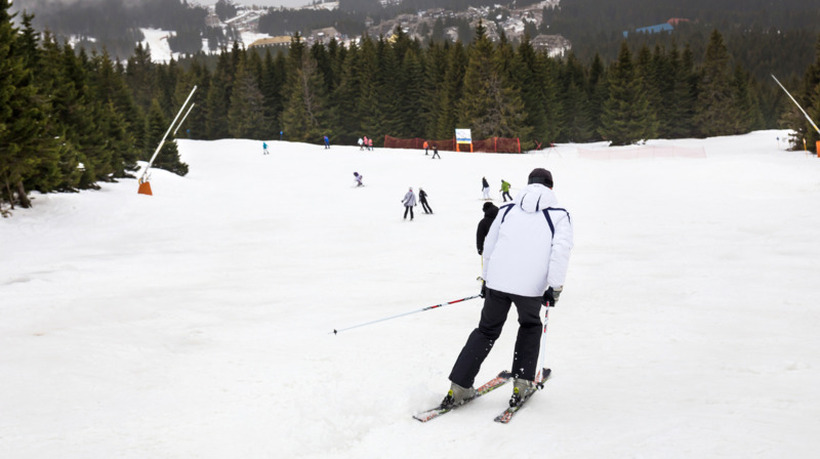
(505, 190)
(426, 147)
(485, 188)
(361, 144)
(435, 152)
(359, 178)
(264, 148)
(327, 142)
(490, 211)
(409, 202)
(423, 200)
(370, 144)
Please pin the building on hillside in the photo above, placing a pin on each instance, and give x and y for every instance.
(675, 21)
(657, 28)
(281, 41)
(212, 20)
(323, 35)
(247, 20)
(553, 45)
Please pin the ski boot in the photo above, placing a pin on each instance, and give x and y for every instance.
(522, 389)
(458, 395)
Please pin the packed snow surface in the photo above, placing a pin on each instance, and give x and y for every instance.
(198, 322)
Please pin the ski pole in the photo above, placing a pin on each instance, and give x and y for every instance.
(540, 375)
(336, 331)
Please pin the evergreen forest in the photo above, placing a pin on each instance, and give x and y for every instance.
(71, 119)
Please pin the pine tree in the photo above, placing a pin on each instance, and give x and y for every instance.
(117, 109)
(411, 79)
(490, 106)
(576, 122)
(304, 117)
(246, 116)
(273, 79)
(809, 98)
(432, 102)
(452, 92)
(21, 117)
(347, 95)
(597, 95)
(368, 106)
(715, 109)
(625, 116)
(219, 98)
(168, 156)
(682, 94)
(532, 82)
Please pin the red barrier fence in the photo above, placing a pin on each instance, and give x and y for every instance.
(491, 145)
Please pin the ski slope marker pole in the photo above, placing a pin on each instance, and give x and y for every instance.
(336, 331)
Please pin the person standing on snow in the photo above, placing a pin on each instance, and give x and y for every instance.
(423, 200)
(426, 147)
(361, 144)
(435, 152)
(485, 188)
(526, 254)
(505, 190)
(327, 142)
(409, 202)
(359, 178)
(264, 148)
(490, 211)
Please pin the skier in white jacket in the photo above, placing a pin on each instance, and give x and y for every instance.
(409, 202)
(526, 254)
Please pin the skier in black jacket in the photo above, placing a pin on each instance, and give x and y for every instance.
(490, 211)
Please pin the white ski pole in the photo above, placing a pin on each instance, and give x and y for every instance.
(336, 331)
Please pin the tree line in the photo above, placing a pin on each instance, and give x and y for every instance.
(69, 120)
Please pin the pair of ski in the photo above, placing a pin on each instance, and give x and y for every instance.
(485, 389)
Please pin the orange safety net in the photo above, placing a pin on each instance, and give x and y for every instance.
(491, 145)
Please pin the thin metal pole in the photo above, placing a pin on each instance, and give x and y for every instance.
(183, 120)
(159, 147)
(336, 331)
(798, 105)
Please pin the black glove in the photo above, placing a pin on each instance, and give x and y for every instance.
(483, 289)
(551, 297)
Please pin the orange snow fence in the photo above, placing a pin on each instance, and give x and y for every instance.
(145, 188)
(818, 148)
(491, 145)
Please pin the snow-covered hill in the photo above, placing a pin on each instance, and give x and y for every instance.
(196, 322)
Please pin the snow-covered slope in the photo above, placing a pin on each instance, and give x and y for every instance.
(196, 322)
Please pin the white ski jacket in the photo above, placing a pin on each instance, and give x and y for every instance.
(409, 199)
(527, 248)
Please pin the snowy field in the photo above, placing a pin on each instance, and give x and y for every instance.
(197, 322)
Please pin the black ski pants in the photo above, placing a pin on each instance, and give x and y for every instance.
(408, 209)
(426, 207)
(481, 340)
